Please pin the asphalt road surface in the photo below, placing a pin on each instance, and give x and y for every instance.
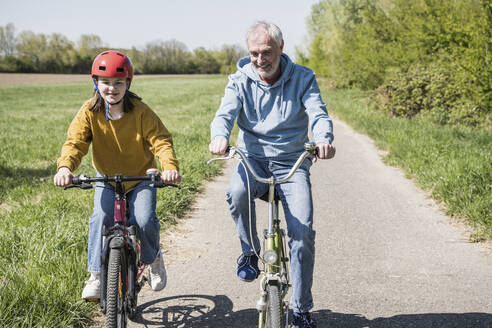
(386, 255)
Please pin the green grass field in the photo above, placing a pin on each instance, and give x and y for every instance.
(43, 256)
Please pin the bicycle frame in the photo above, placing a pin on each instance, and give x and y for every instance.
(122, 236)
(276, 270)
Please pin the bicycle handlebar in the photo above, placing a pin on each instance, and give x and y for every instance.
(310, 149)
(84, 182)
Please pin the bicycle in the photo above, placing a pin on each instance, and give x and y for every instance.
(121, 269)
(273, 311)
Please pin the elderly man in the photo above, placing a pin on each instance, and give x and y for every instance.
(275, 102)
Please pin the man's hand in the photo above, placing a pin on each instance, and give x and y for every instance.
(325, 150)
(218, 146)
(63, 177)
(170, 176)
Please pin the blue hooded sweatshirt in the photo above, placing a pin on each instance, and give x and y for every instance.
(273, 120)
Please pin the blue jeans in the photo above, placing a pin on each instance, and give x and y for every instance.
(297, 203)
(142, 202)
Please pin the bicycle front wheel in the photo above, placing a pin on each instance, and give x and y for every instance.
(115, 291)
(274, 316)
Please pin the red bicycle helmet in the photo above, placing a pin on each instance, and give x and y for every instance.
(112, 64)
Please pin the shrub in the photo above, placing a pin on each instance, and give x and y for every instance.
(439, 91)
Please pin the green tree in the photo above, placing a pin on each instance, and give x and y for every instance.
(30, 48)
(7, 40)
(228, 57)
(87, 48)
(412, 44)
(60, 54)
(138, 59)
(168, 57)
(89, 43)
(205, 61)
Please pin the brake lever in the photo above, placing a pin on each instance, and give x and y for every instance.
(161, 184)
(230, 154)
(86, 186)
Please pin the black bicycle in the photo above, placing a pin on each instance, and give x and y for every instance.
(121, 270)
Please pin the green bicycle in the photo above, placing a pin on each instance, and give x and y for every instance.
(273, 310)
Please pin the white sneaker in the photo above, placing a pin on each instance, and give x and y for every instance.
(157, 274)
(92, 289)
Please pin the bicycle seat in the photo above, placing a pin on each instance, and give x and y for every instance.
(264, 197)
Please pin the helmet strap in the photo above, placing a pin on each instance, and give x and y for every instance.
(107, 112)
(107, 107)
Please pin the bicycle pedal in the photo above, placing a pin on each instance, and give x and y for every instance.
(141, 283)
(91, 300)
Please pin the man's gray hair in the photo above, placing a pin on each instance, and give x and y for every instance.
(272, 30)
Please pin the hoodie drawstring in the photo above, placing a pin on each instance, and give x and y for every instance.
(257, 105)
(282, 107)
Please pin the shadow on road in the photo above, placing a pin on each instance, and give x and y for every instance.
(330, 319)
(193, 311)
(205, 311)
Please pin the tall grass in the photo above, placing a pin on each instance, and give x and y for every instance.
(454, 163)
(43, 256)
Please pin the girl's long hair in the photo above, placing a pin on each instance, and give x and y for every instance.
(96, 103)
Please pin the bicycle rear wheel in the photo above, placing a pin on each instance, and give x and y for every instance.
(116, 290)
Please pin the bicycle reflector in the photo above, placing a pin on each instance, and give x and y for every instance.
(270, 256)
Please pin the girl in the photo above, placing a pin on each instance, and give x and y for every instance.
(126, 135)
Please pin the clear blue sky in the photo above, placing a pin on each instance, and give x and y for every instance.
(125, 23)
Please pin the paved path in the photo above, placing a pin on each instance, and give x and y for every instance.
(386, 256)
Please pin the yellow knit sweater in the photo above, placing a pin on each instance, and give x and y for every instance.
(126, 146)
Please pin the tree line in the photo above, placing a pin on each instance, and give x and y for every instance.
(29, 52)
(427, 59)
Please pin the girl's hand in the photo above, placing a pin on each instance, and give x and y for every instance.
(170, 176)
(63, 177)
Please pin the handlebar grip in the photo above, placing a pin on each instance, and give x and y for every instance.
(161, 184)
(76, 180)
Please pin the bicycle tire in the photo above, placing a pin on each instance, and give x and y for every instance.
(115, 291)
(274, 315)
